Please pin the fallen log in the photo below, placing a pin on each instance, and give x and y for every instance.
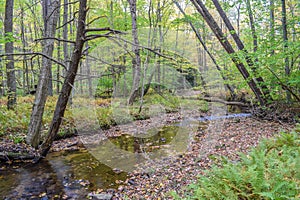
(9, 156)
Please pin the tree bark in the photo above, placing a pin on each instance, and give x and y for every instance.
(9, 48)
(229, 49)
(58, 57)
(285, 41)
(136, 61)
(26, 86)
(65, 35)
(50, 12)
(238, 9)
(272, 22)
(69, 80)
(2, 74)
(88, 73)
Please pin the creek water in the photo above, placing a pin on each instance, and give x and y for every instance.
(64, 175)
(75, 174)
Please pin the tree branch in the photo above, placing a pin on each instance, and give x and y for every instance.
(284, 86)
(142, 47)
(68, 21)
(95, 19)
(104, 29)
(34, 53)
(53, 38)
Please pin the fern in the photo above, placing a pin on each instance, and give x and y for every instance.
(270, 171)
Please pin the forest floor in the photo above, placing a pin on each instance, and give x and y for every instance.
(156, 179)
(173, 173)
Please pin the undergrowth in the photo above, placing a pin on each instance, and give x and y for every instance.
(87, 114)
(269, 171)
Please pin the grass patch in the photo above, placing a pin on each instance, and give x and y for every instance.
(269, 171)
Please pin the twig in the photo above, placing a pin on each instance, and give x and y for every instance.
(95, 19)
(34, 53)
(103, 29)
(54, 38)
(285, 87)
(143, 47)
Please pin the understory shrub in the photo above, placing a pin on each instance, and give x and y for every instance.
(269, 171)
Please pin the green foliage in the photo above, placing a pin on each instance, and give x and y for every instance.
(14, 123)
(169, 102)
(105, 117)
(270, 171)
(104, 87)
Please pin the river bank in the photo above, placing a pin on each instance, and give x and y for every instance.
(155, 178)
(237, 135)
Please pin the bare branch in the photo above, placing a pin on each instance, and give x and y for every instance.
(95, 36)
(142, 47)
(284, 86)
(95, 19)
(107, 63)
(34, 53)
(104, 29)
(92, 37)
(68, 21)
(58, 7)
(54, 38)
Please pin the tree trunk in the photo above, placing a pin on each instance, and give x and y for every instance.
(9, 48)
(136, 61)
(48, 47)
(58, 57)
(272, 22)
(159, 24)
(88, 73)
(238, 9)
(227, 46)
(65, 35)
(26, 86)
(253, 31)
(69, 81)
(2, 82)
(285, 41)
(202, 42)
(50, 12)
(241, 46)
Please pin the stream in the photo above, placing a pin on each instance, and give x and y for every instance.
(65, 175)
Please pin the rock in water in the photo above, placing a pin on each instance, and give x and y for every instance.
(102, 196)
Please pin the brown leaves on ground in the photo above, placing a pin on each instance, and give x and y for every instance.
(237, 135)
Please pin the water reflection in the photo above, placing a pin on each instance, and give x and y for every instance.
(61, 175)
(75, 174)
(127, 151)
